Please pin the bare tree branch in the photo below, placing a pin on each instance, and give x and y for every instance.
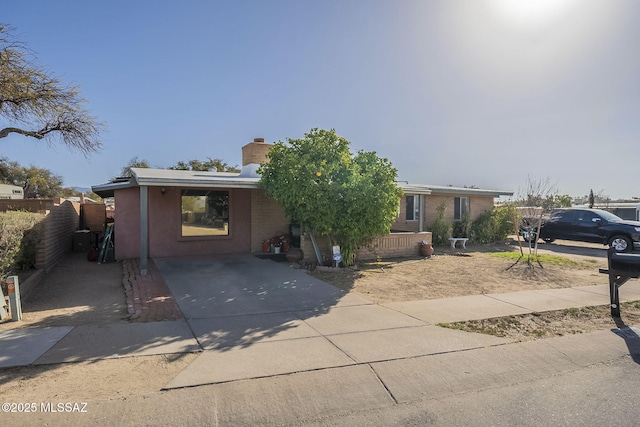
(38, 105)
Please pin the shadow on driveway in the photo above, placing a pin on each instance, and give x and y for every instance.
(237, 300)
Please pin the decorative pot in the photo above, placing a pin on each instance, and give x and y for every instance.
(426, 249)
(276, 249)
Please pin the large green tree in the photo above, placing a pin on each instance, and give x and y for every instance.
(36, 182)
(321, 184)
(36, 104)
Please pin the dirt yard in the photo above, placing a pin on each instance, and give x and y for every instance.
(479, 271)
(473, 271)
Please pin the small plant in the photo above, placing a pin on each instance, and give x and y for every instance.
(572, 312)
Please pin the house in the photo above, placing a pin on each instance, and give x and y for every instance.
(164, 213)
(420, 203)
(11, 192)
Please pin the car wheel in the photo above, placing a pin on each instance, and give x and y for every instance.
(620, 243)
(547, 240)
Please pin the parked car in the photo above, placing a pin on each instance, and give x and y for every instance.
(585, 225)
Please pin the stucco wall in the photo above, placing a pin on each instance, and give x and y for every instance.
(127, 225)
(165, 225)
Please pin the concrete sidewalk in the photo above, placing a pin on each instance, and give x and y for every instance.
(342, 335)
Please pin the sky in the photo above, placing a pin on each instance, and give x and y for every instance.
(486, 93)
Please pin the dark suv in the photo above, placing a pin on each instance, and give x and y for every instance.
(589, 225)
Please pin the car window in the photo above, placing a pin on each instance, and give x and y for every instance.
(608, 216)
(586, 216)
(563, 216)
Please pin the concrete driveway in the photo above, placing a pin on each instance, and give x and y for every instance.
(236, 285)
(239, 300)
(257, 318)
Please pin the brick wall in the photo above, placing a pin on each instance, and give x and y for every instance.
(267, 219)
(255, 152)
(394, 245)
(29, 205)
(61, 220)
(60, 224)
(94, 215)
(401, 223)
(477, 206)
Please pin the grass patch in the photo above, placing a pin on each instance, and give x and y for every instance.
(542, 259)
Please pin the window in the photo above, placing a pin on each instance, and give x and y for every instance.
(205, 213)
(460, 208)
(413, 208)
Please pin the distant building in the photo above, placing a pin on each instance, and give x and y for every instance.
(11, 192)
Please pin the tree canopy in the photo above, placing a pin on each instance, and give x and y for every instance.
(135, 162)
(322, 185)
(210, 164)
(36, 104)
(36, 182)
(191, 165)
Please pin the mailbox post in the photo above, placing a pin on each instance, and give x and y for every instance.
(622, 267)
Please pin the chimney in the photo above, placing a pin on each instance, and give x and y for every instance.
(255, 152)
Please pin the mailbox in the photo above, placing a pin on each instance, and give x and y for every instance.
(622, 267)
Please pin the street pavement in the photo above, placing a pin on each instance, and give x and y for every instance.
(277, 346)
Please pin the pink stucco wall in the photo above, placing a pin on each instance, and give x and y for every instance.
(165, 225)
(127, 225)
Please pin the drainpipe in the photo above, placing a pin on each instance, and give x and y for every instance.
(144, 229)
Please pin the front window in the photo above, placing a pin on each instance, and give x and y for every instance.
(205, 213)
(460, 208)
(413, 208)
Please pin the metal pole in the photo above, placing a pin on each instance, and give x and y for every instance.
(421, 202)
(144, 229)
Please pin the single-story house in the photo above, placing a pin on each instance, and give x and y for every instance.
(165, 212)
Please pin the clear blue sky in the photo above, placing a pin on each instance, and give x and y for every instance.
(453, 92)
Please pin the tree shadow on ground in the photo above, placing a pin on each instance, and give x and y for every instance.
(239, 300)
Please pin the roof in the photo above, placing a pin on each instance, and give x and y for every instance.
(449, 189)
(247, 178)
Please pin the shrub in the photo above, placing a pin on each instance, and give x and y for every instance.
(493, 225)
(20, 233)
(461, 228)
(440, 229)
